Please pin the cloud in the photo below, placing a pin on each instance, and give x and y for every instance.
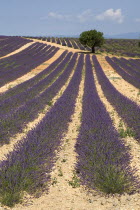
(52, 15)
(111, 14)
(137, 20)
(60, 16)
(87, 15)
(55, 15)
(82, 18)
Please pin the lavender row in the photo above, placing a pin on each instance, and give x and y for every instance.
(21, 66)
(23, 52)
(11, 44)
(33, 81)
(4, 62)
(25, 68)
(18, 59)
(5, 47)
(28, 166)
(69, 42)
(103, 159)
(13, 103)
(74, 44)
(129, 78)
(127, 109)
(12, 47)
(22, 57)
(25, 63)
(135, 64)
(124, 64)
(14, 122)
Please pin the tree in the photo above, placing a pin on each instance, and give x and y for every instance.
(92, 39)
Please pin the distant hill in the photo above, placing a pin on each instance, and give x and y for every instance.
(131, 35)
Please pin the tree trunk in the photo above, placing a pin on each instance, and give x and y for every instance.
(93, 49)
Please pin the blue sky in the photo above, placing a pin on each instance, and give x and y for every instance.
(65, 17)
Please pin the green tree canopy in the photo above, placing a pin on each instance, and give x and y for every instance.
(92, 39)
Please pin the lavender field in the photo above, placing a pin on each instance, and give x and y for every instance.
(72, 129)
(119, 47)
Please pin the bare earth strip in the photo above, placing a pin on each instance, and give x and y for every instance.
(31, 74)
(119, 83)
(18, 50)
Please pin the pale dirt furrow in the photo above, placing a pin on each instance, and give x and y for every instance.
(18, 50)
(31, 74)
(119, 83)
(5, 149)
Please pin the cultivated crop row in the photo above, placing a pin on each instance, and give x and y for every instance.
(126, 76)
(121, 47)
(19, 58)
(127, 109)
(14, 102)
(69, 42)
(10, 44)
(33, 81)
(103, 159)
(24, 62)
(127, 68)
(28, 167)
(15, 121)
(135, 64)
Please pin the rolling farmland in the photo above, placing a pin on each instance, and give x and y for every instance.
(119, 47)
(69, 126)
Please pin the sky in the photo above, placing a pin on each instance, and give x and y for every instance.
(65, 17)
